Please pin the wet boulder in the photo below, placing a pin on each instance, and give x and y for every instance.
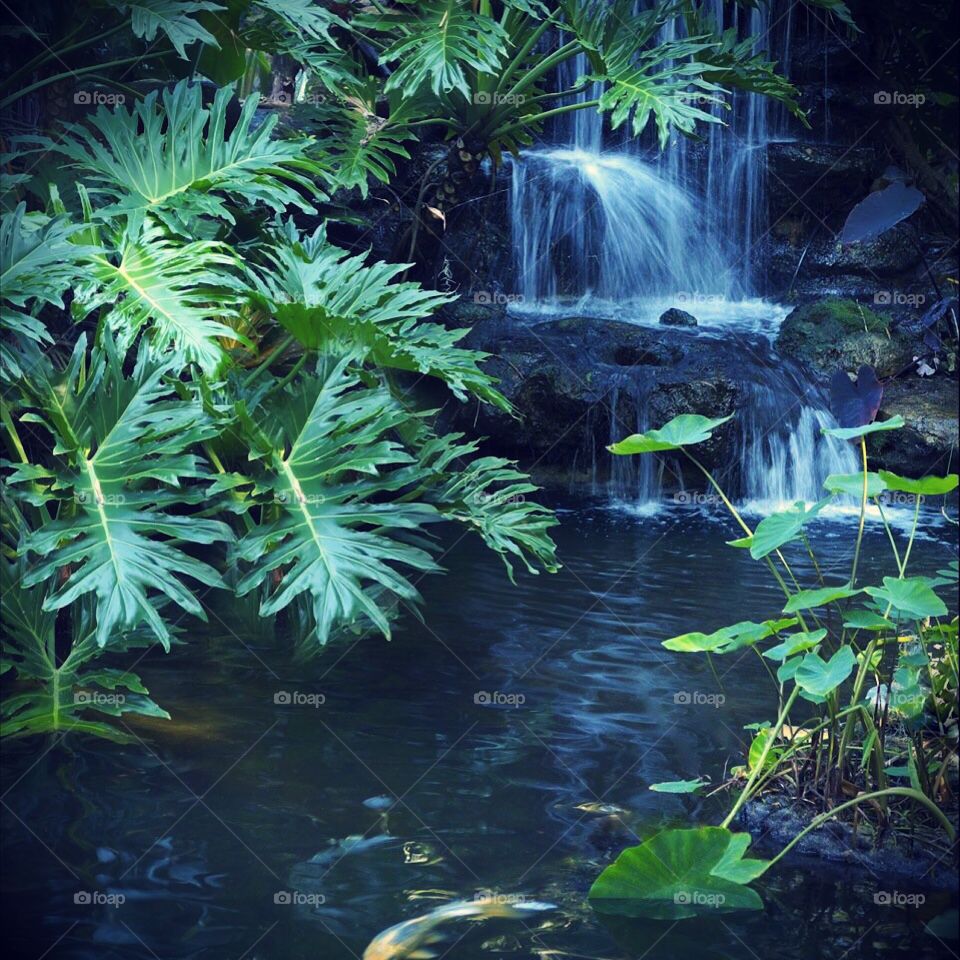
(837, 333)
(929, 441)
(674, 317)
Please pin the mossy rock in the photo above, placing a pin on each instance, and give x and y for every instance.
(836, 333)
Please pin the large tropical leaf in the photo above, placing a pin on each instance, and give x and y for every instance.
(171, 17)
(122, 450)
(58, 691)
(38, 262)
(179, 293)
(434, 41)
(489, 495)
(172, 156)
(680, 873)
(336, 303)
(324, 454)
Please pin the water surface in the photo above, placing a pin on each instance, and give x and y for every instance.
(489, 724)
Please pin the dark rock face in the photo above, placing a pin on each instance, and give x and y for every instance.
(575, 384)
(774, 821)
(677, 318)
(836, 334)
(929, 441)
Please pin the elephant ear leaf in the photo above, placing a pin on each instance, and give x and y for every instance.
(880, 211)
(682, 431)
(122, 446)
(680, 873)
(855, 403)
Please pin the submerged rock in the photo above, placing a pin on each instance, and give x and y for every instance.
(842, 334)
(774, 821)
(674, 317)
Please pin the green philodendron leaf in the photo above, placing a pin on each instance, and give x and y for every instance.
(680, 873)
(821, 677)
(806, 599)
(679, 786)
(682, 431)
(779, 528)
(852, 483)
(795, 643)
(854, 433)
(924, 486)
(727, 639)
(866, 620)
(912, 597)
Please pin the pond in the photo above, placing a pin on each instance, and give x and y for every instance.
(239, 829)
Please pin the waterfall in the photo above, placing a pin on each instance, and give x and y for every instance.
(780, 454)
(628, 222)
(607, 226)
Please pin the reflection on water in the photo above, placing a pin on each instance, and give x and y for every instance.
(507, 745)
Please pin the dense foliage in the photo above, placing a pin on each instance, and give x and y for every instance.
(865, 678)
(203, 393)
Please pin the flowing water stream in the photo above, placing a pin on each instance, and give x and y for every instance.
(621, 230)
(224, 829)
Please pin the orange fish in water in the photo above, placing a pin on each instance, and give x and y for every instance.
(411, 940)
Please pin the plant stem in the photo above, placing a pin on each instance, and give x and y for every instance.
(758, 769)
(863, 515)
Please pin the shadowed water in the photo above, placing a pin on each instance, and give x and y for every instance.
(490, 725)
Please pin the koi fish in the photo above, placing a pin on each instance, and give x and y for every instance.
(412, 939)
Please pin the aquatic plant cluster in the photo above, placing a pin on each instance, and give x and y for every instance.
(206, 395)
(871, 745)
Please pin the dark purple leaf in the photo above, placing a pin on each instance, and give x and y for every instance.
(855, 403)
(880, 211)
